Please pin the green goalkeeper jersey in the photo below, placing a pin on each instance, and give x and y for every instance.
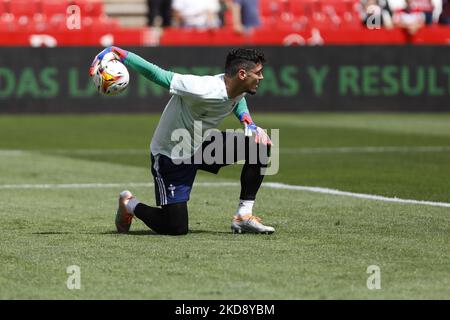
(198, 103)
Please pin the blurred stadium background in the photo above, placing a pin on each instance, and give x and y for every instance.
(281, 22)
(359, 90)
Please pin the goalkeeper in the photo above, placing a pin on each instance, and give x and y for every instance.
(208, 99)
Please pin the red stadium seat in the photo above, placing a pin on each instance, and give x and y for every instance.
(55, 13)
(91, 8)
(101, 24)
(436, 35)
(268, 7)
(341, 7)
(297, 8)
(25, 15)
(26, 8)
(3, 8)
(7, 24)
(53, 7)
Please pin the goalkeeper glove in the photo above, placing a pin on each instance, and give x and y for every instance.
(251, 128)
(108, 54)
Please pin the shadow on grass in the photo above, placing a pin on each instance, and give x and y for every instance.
(130, 233)
(136, 233)
(152, 233)
(209, 232)
(52, 233)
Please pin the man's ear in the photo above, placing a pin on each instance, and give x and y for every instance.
(242, 74)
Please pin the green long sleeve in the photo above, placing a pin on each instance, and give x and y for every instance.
(149, 70)
(241, 107)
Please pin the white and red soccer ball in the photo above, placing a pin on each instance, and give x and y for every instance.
(111, 78)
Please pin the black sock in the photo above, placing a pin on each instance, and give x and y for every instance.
(251, 179)
(251, 176)
(171, 219)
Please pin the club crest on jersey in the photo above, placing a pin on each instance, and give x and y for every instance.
(172, 190)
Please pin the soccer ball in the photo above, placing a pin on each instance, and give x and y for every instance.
(112, 78)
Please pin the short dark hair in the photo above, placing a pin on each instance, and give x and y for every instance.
(242, 59)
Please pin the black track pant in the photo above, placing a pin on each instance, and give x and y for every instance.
(172, 219)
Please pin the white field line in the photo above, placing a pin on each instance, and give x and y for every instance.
(335, 192)
(73, 185)
(4, 152)
(365, 150)
(272, 185)
(12, 152)
(380, 149)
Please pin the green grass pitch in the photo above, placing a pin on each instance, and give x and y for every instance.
(323, 243)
